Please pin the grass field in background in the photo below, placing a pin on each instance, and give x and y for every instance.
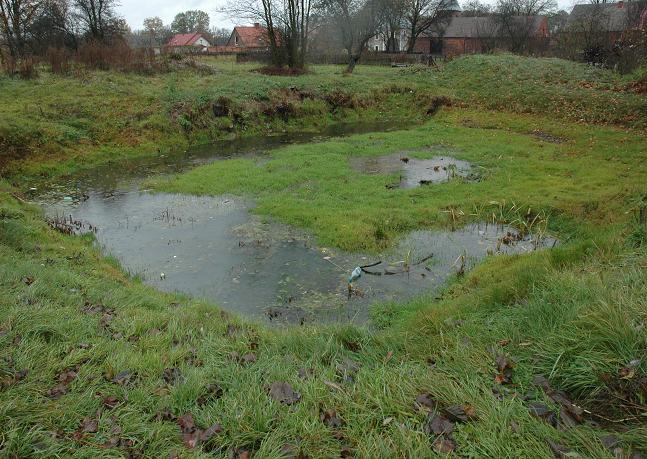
(93, 117)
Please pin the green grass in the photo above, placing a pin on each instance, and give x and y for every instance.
(56, 124)
(575, 314)
(314, 186)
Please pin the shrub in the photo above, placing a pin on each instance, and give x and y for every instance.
(58, 60)
(27, 69)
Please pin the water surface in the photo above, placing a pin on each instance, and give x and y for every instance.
(214, 248)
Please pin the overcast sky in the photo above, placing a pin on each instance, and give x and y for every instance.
(135, 11)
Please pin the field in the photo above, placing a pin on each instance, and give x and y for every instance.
(534, 355)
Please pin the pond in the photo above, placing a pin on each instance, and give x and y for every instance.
(413, 172)
(214, 248)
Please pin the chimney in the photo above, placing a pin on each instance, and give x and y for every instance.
(257, 25)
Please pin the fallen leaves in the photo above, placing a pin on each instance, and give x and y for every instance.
(63, 379)
(122, 378)
(231, 331)
(13, 378)
(560, 451)
(212, 392)
(438, 424)
(282, 392)
(504, 367)
(347, 370)
(89, 425)
(444, 445)
(192, 436)
(425, 402)
(164, 414)
(305, 373)
(461, 413)
(570, 414)
(28, 280)
(441, 421)
(172, 376)
(331, 419)
(629, 371)
(110, 402)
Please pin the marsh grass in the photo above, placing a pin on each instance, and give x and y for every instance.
(141, 358)
(535, 185)
(47, 129)
(550, 317)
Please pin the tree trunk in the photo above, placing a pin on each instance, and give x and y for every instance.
(411, 43)
(353, 59)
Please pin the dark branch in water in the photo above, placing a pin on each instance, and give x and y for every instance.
(428, 257)
(371, 265)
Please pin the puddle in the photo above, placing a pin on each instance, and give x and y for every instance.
(214, 248)
(546, 137)
(127, 173)
(413, 172)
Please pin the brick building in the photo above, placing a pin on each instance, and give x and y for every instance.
(468, 35)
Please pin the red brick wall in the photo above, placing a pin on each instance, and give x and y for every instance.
(422, 45)
(453, 46)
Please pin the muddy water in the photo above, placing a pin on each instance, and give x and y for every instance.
(126, 173)
(214, 248)
(414, 172)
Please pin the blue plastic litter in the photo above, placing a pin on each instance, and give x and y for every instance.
(356, 274)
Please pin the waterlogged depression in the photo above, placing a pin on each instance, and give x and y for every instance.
(214, 248)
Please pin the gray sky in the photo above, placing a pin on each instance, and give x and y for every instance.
(135, 11)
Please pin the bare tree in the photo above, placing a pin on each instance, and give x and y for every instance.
(394, 12)
(220, 35)
(16, 18)
(53, 27)
(516, 20)
(154, 30)
(287, 23)
(487, 33)
(190, 22)
(474, 8)
(357, 22)
(98, 18)
(425, 15)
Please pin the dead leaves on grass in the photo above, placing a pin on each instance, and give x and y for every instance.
(282, 392)
(331, 419)
(570, 414)
(441, 421)
(192, 436)
(172, 376)
(64, 379)
(212, 392)
(504, 366)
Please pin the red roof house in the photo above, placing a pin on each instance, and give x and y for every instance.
(188, 42)
(253, 38)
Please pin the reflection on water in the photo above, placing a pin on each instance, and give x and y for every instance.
(213, 248)
(123, 173)
(413, 172)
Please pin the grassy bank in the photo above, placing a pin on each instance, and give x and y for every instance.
(535, 355)
(53, 124)
(95, 364)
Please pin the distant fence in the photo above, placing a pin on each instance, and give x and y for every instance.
(367, 58)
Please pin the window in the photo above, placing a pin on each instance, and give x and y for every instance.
(236, 40)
